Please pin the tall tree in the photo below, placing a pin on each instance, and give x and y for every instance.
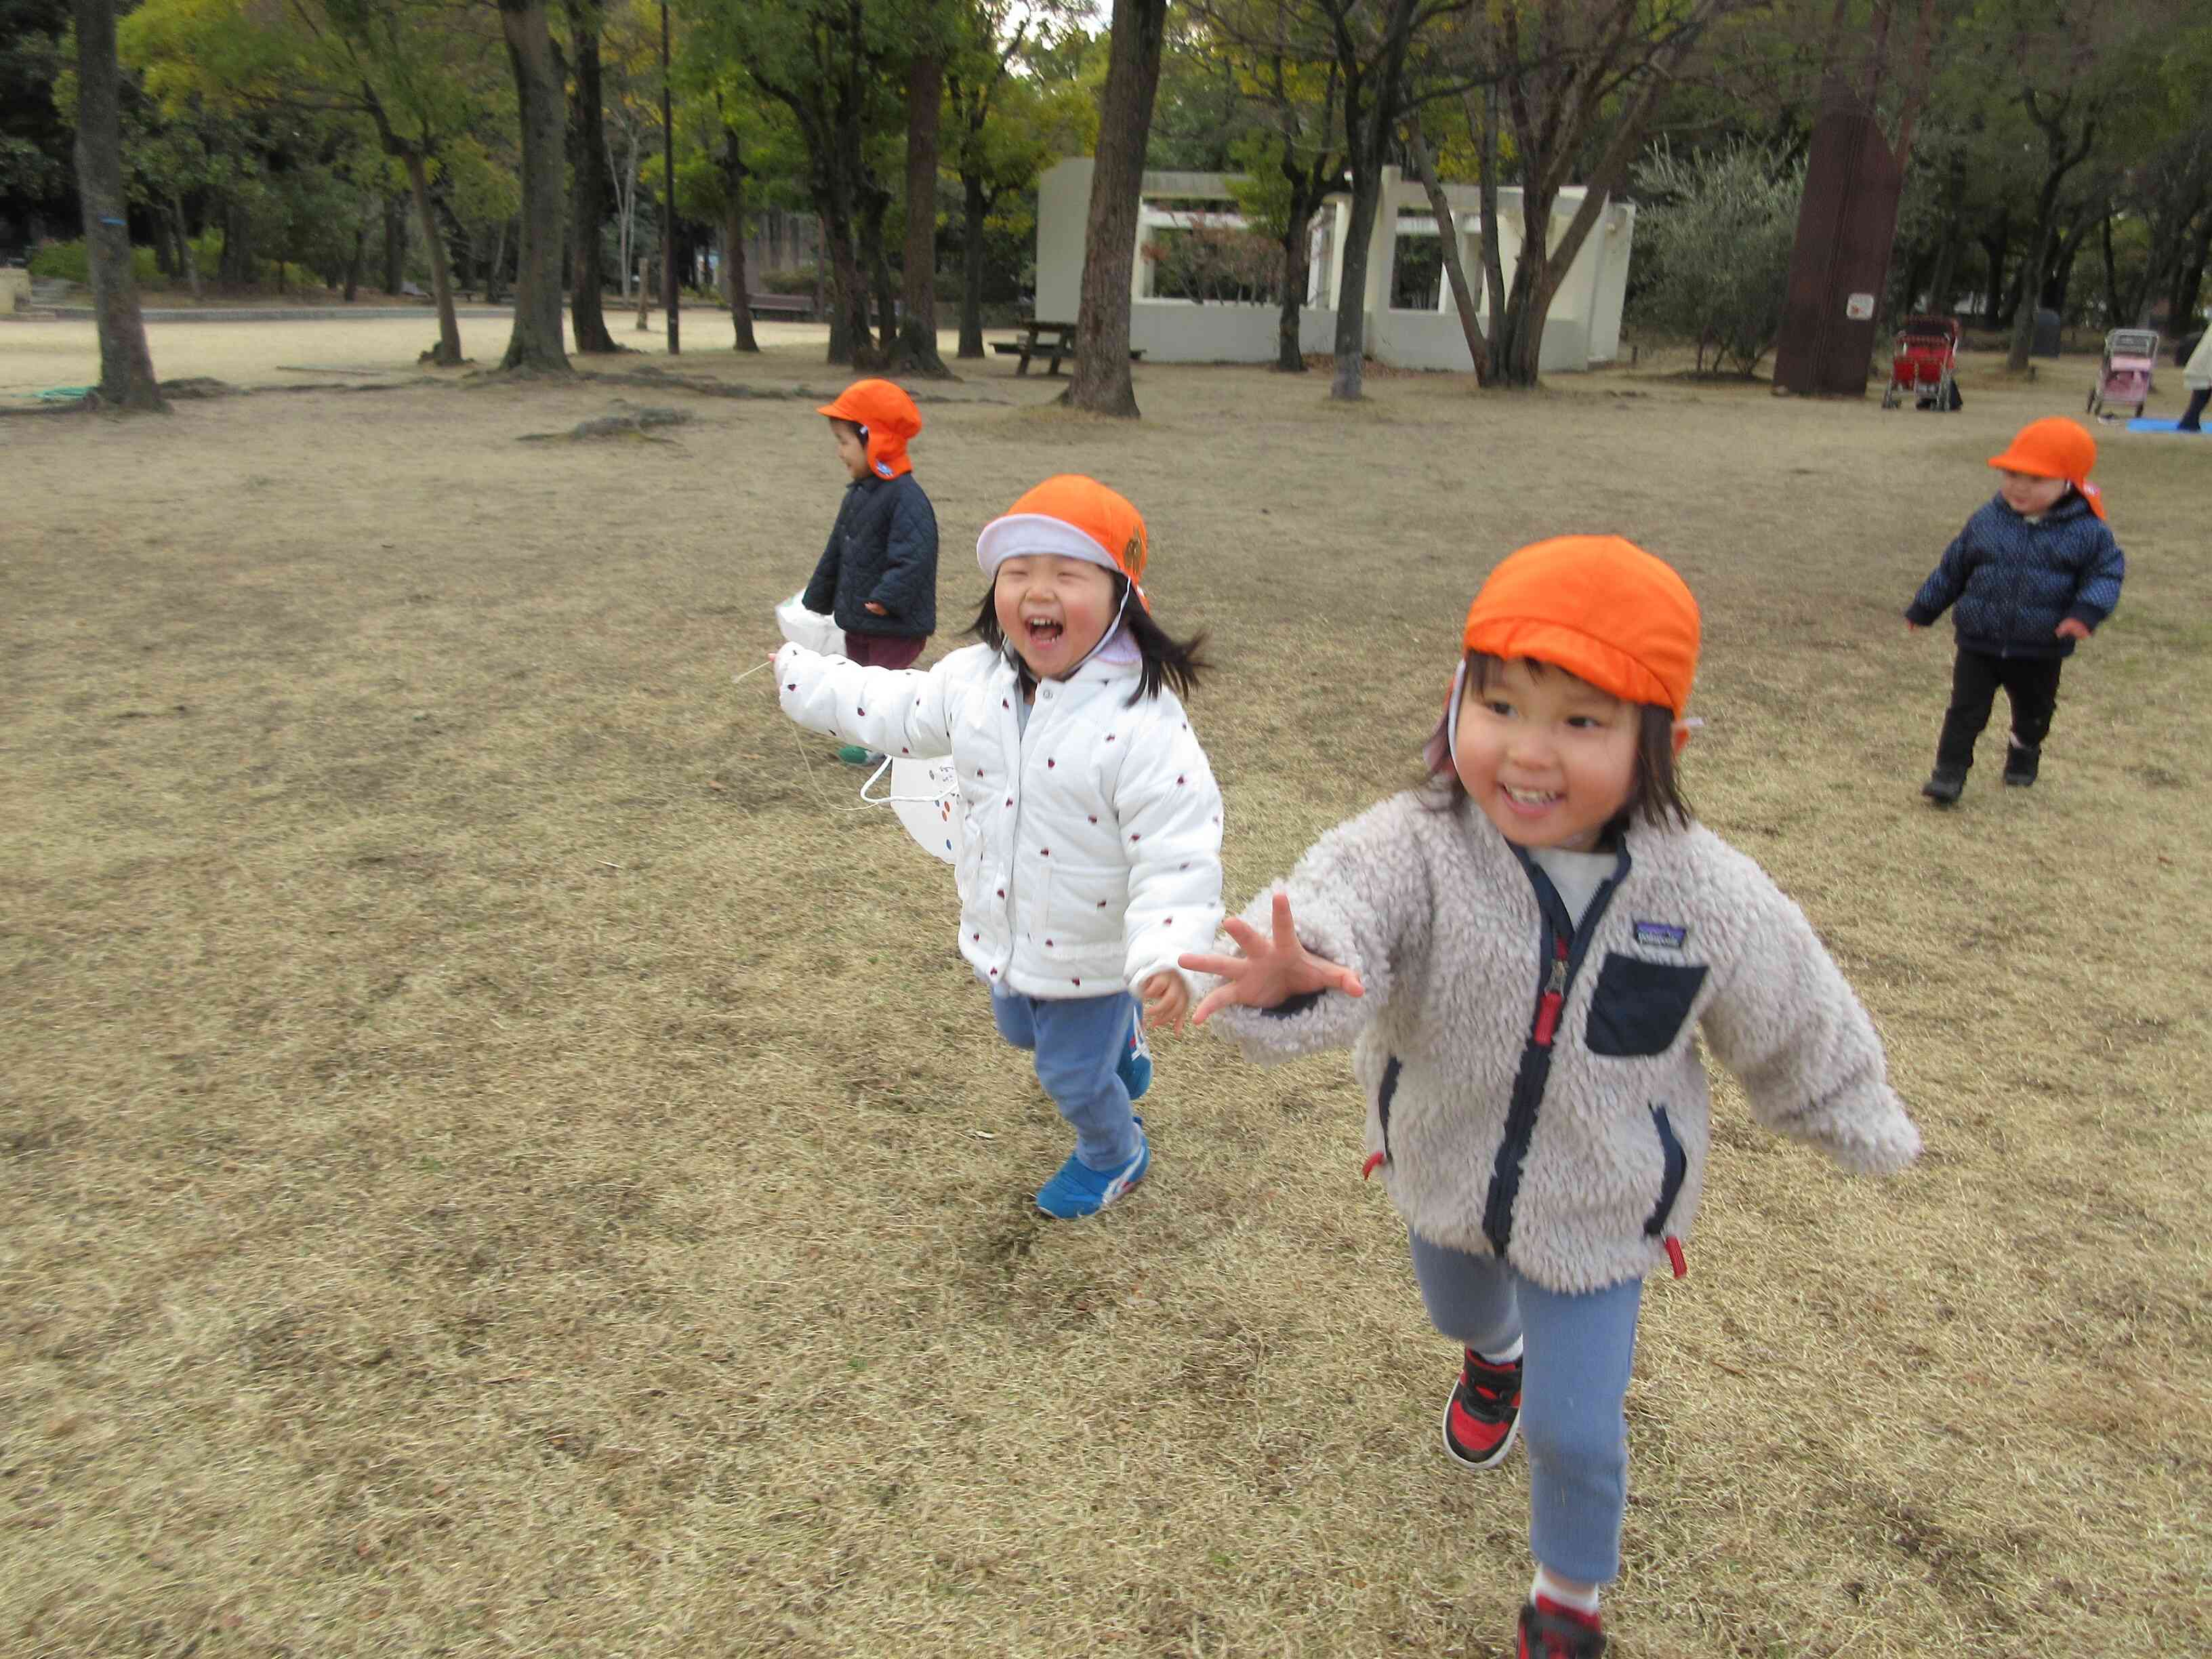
(536, 342)
(916, 351)
(126, 367)
(1372, 43)
(1005, 126)
(418, 75)
(1099, 380)
(1284, 68)
(587, 188)
(736, 286)
(1579, 81)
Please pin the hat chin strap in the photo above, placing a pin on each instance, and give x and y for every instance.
(1451, 714)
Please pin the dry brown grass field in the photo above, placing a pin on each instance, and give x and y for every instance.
(497, 1156)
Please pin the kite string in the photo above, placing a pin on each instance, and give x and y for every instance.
(828, 804)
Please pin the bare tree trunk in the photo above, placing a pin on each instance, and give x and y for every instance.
(395, 245)
(1493, 263)
(126, 367)
(850, 340)
(644, 295)
(2190, 281)
(1470, 324)
(1297, 259)
(1099, 380)
(877, 259)
(916, 351)
(973, 205)
(447, 352)
(536, 342)
(353, 263)
(735, 283)
(587, 190)
(1347, 384)
(184, 244)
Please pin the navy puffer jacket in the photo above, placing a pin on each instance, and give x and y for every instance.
(2013, 581)
(883, 548)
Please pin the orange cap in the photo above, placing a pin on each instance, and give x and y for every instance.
(2054, 447)
(1598, 606)
(886, 416)
(1074, 517)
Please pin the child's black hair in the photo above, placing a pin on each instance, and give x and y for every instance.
(1167, 660)
(1656, 794)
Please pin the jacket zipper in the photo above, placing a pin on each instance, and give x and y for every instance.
(1384, 1093)
(1563, 952)
(1670, 1188)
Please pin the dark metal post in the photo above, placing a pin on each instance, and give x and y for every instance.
(668, 284)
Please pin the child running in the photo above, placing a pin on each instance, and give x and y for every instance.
(1519, 957)
(878, 576)
(1092, 850)
(2035, 571)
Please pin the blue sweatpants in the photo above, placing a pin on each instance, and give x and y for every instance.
(1575, 1360)
(1078, 1043)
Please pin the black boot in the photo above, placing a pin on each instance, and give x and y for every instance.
(2020, 765)
(1945, 785)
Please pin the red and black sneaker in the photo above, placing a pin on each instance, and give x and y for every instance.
(1483, 1414)
(1550, 1629)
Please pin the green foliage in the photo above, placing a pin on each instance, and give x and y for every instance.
(1714, 237)
(67, 262)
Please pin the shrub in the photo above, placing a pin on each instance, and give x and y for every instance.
(1716, 236)
(69, 261)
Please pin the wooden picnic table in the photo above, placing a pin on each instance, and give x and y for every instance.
(1032, 344)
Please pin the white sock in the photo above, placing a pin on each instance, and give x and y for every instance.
(1504, 1356)
(1545, 1585)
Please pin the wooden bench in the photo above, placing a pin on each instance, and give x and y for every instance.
(794, 308)
(1032, 344)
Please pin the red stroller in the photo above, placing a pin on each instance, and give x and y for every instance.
(1923, 364)
(2124, 376)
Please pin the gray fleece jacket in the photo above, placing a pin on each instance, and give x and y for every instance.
(1534, 1089)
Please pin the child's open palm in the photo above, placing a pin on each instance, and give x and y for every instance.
(1271, 970)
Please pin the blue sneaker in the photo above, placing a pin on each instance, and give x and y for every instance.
(1078, 1190)
(1135, 1065)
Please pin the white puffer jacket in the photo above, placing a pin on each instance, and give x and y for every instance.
(1092, 857)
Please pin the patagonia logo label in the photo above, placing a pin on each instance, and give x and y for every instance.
(1661, 934)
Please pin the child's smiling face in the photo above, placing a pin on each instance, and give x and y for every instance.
(1549, 758)
(1053, 609)
(2028, 494)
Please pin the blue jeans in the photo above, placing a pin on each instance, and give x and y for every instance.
(1574, 1377)
(1078, 1045)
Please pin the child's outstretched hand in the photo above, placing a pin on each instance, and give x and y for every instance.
(2072, 628)
(1271, 971)
(1167, 1000)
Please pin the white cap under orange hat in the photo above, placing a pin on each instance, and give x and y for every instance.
(1069, 517)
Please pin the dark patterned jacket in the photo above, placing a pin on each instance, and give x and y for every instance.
(883, 548)
(2013, 581)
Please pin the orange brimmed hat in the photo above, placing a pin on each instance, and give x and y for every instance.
(1598, 606)
(1074, 517)
(2054, 447)
(887, 419)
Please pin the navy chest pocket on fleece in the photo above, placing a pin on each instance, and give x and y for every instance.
(1639, 1006)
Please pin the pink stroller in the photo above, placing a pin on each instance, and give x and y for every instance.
(2125, 377)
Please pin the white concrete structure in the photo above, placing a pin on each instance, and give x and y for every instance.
(1582, 328)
